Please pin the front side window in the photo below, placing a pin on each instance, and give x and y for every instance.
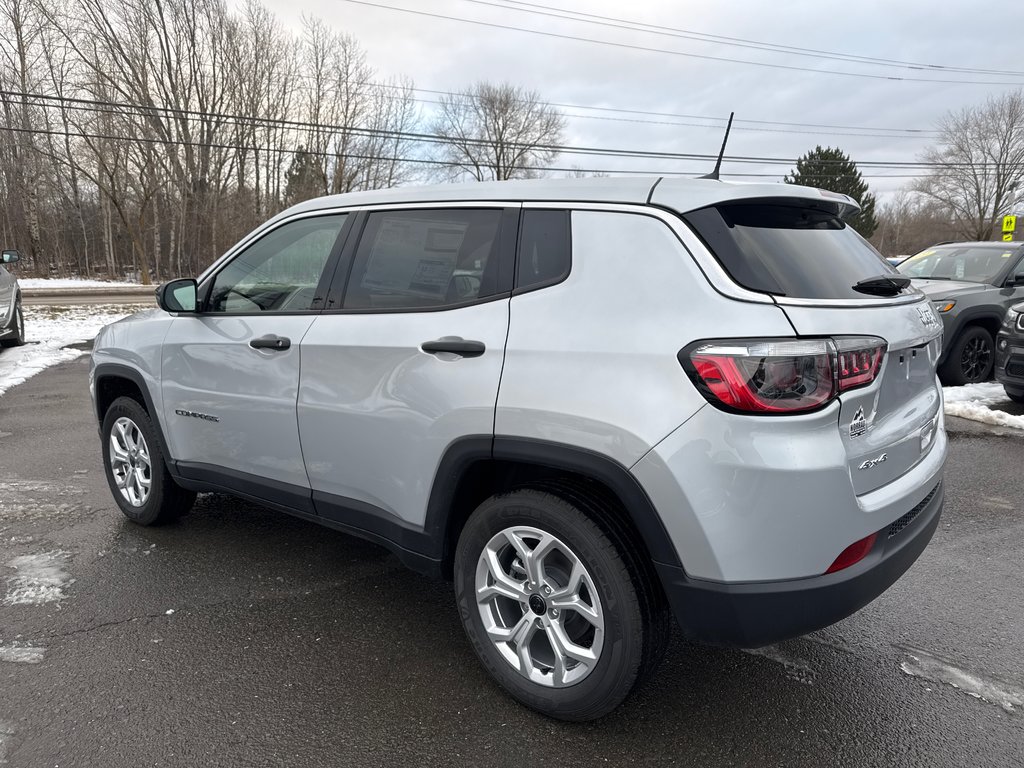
(280, 271)
(425, 259)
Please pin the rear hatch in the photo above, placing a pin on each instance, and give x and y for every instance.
(800, 253)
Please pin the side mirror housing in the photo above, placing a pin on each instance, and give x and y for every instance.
(1018, 279)
(177, 295)
(9, 257)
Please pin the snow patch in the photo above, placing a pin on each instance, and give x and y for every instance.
(796, 668)
(21, 654)
(71, 282)
(929, 667)
(49, 331)
(39, 579)
(974, 401)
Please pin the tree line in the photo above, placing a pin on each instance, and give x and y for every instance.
(141, 139)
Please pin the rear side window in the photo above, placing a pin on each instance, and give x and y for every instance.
(788, 249)
(425, 259)
(544, 249)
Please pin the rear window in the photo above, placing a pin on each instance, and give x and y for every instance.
(788, 249)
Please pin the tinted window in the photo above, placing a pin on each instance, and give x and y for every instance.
(977, 263)
(544, 248)
(280, 271)
(425, 259)
(788, 249)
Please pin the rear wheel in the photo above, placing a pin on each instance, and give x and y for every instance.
(18, 323)
(970, 359)
(135, 467)
(555, 606)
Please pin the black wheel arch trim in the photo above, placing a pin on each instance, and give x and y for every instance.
(462, 453)
(961, 321)
(119, 371)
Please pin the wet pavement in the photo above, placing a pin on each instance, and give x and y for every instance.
(243, 637)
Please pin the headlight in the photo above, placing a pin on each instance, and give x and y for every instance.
(943, 306)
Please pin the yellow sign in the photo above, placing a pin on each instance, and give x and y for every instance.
(1007, 237)
(1009, 224)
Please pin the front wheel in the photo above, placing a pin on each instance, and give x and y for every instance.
(555, 606)
(970, 358)
(135, 467)
(19, 328)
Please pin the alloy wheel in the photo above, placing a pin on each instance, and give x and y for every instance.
(974, 360)
(130, 461)
(539, 606)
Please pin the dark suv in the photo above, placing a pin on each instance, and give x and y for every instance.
(971, 286)
(1010, 354)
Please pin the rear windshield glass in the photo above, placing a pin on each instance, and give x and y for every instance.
(788, 249)
(979, 263)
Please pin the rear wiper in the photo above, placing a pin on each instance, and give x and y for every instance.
(931, 277)
(883, 285)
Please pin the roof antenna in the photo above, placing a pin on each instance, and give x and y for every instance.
(721, 154)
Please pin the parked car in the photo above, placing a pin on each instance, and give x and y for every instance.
(12, 318)
(971, 285)
(1010, 353)
(660, 396)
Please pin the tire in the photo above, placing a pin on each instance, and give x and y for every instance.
(1016, 395)
(970, 359)
(619, 646)
(19, 326)
(131, 457)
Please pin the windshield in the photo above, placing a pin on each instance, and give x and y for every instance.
(973, 263)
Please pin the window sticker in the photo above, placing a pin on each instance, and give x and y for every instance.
(411, 256)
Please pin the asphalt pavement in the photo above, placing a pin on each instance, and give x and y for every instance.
(243, 637)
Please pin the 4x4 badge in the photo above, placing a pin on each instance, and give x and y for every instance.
(859, 425)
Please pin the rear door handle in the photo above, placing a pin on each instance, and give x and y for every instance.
(270, 341)
(456, 346)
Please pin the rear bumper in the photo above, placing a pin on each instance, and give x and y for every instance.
(749, 615)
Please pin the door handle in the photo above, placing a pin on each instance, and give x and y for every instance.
(455, 346)
(272, 342)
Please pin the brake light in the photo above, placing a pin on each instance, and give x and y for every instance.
(853, 554)
(782, 376)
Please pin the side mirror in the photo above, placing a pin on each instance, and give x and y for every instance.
(177, 295)
(9, 257)
(1017, 279)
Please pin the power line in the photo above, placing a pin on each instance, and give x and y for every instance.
(666, 31)
(419, 161)
(648, 49)
(136, 110)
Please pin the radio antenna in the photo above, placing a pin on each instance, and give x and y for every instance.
(721, 154)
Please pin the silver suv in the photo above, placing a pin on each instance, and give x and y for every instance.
(591, 403)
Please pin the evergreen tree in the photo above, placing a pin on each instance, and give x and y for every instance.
(832, 169)
(305, 178)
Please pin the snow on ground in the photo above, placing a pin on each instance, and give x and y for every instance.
(974, 402)
(70, 282)
(49, 330)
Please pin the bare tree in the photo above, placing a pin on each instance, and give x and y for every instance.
(909, 222)
(981, 158)
(497, 132)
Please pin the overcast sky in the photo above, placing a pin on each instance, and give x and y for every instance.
(443, 54)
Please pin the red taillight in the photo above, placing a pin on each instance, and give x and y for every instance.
(783, 376)
(853, 554)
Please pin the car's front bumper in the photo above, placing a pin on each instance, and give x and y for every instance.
(1009, 368)
(749, 615)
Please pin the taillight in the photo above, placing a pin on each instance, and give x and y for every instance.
(782, 376)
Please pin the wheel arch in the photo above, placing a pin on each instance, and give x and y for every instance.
(113, 381)
(475, 468)
(982, 316)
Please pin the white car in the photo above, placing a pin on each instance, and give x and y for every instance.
(12, 319)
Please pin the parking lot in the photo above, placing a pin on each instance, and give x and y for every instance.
(241, 636)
